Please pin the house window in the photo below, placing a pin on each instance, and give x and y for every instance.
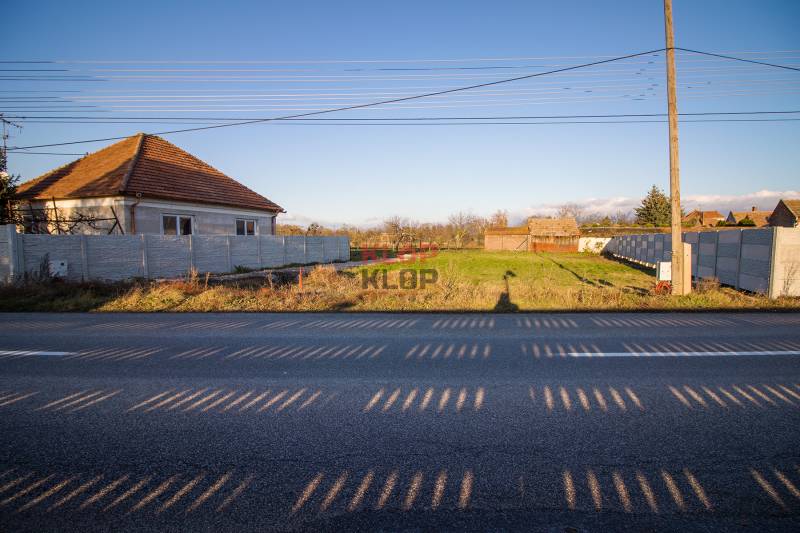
(245, 226)
(176, 225)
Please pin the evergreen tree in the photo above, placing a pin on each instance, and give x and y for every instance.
(8, 188)
(655, 209)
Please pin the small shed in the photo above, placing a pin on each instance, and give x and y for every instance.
(537, 235)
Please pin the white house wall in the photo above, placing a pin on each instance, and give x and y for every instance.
(207, 219)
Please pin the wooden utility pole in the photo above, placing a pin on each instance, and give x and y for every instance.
(678, 285)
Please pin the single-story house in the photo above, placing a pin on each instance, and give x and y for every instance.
(537, 235)
(786, 214)
(703, 218)
(144, 185)
(759, 218)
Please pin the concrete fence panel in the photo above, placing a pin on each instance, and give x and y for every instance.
(765, 260)
(244, 251)
(119, 257)
(273, 252)
(785, 279)
(6, 253)
(113, 257)
(295, 249)
(704, 259)
(755, 260)
(595, 245)
(167, 257)
(728, 247)
(313, 250)
(210, 253)
(35, 249)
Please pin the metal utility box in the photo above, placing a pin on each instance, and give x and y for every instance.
(664, 271)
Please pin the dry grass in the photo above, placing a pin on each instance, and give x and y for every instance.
(468, 281)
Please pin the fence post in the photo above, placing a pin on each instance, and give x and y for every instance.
(228, 252)
(716, 252)
(191, 254)
(145, 266)
(739, 258)
(84, 260)
(771, 288)
(15, 265)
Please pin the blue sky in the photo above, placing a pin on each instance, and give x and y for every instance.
(263, 59)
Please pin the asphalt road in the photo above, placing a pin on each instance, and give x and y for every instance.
(596, 422)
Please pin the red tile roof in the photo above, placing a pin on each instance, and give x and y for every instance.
(558, 227)
(554, 227)
(793, 206)
(149, 165)
(705, 218)
(760, 218)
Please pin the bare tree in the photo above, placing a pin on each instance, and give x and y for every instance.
(459, 227)
(399, 230)
(622, 218)
(570, 211)
(314, 229)
(56, 221)
(499, 219)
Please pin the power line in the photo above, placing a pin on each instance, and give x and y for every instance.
(502, 117)
(48, 153)
(414, 97)
(361, 106)
(406, 124)
(739, 59)
(333, 61)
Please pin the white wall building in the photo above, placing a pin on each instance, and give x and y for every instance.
(143, 185)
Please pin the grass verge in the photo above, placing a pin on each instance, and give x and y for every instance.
(466, 281)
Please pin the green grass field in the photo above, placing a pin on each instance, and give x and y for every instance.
(545, 269)
(470, 280)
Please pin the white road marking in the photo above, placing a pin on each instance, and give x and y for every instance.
(681, 354)
(27, 352)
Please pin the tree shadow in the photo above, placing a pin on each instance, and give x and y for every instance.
(580, 278)
(504, 303)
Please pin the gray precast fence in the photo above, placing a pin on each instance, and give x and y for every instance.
(765, 260)
(120, 257)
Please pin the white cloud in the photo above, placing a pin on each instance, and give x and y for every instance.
(764, 200)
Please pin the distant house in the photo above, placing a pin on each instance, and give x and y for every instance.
(759, 218)
(786, 214)
(144, 184)
(703, 218)
(537, 235)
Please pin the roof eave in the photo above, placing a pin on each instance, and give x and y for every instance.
(276, 209)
